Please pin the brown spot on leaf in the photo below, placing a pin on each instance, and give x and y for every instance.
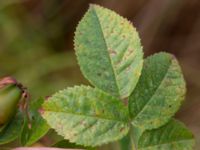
(124, 36)
(99, 74)
(112, 52)
(125, 101)
(83, 123)
(130, 51)
(122, 129)
(80, 33)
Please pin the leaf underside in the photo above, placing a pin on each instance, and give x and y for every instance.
(86, 116)
(159, 92)
(172, 136)
(109, 51)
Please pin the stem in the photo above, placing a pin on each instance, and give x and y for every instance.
(24, 106)
(125, 101)
(134, 136)
(133, 145)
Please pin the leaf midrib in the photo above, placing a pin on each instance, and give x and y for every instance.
(110, 60)
(71, 113)
(146, 105)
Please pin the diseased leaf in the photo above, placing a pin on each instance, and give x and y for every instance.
(39, 127)
(12, 131)
(159, 92)
(86, 116)
(109, 51)
(172, 136)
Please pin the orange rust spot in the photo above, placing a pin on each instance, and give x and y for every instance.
(124, 36)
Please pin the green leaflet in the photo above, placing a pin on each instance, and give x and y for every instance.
(12, 130)
(86, 116)
(172, 136)
(159, 92)
(39, 127)
(109, 51)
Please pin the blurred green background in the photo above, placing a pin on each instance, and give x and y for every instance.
(36, 42)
